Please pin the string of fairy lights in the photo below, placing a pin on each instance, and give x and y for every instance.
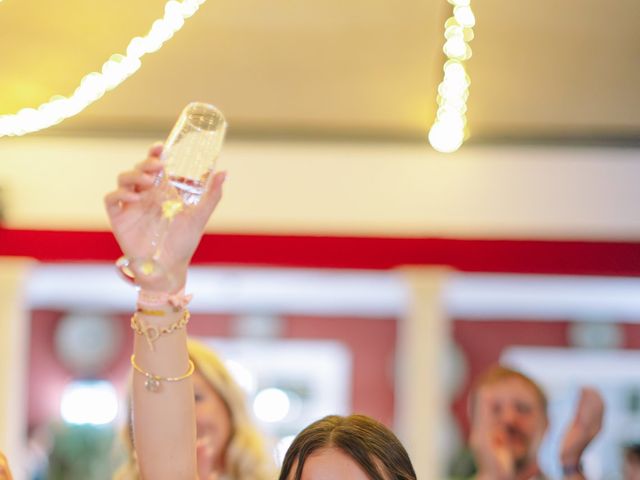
(447, 133)
(94, 85)
(449, 129)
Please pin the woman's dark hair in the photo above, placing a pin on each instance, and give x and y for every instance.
(372, 445)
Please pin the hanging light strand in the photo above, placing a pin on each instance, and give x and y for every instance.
(449, 128)
(94, 85)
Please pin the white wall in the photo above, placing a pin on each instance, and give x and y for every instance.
(349, 188)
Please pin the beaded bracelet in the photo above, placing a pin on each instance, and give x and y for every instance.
(152, 383)
(153, 332)
(149, 299)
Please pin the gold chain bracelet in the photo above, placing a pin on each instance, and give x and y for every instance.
(153, 332)
(152, 383)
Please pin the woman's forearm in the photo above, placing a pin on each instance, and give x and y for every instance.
(164, 410)
(164, 424)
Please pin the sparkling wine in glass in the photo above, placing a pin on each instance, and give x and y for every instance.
(189, 154)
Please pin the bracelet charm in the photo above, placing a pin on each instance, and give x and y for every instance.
(153, 383)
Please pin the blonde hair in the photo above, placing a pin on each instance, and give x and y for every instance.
(245, 456)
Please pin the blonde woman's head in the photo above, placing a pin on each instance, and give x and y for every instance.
(227, 438)
(224, 421)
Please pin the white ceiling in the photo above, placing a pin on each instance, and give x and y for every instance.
(540, 68)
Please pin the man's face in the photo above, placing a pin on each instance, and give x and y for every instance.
(518, 415)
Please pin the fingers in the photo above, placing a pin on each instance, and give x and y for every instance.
(484, 416)
(130, 185)
(136, 180)
(586, 424)
(590, 408)
(482, 419)
(133, 182)
(590, 402)
(152, 165)
(215, 188)
(487, 432)
(592, 397)
(212, 195)
(153, 162)
(155, 150)
(114, 201)
(488, 439)
(142, 177)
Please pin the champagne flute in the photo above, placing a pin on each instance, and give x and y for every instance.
(189, 155)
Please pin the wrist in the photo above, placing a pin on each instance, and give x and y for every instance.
(570, 458)
(168, 281)
(154, 300)
(571, 469)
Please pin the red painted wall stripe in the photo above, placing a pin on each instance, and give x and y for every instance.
(476, 255)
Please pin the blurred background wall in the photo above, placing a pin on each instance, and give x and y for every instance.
(405, 270)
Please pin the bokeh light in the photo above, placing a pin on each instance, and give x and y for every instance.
(94, 85)
(89, 402)
(449, 128)
(271, 405)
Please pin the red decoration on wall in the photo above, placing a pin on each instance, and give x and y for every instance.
(377, 253)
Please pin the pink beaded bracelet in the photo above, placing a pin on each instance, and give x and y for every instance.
(148, 300)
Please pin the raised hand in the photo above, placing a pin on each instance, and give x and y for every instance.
(489, 442)
(584, 427)
(135, 214)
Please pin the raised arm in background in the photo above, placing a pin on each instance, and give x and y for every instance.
(509, 421)
(586, 424)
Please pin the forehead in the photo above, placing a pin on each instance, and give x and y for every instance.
(202, 386)
(331, 464)
(199, 380)
(512, 388)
